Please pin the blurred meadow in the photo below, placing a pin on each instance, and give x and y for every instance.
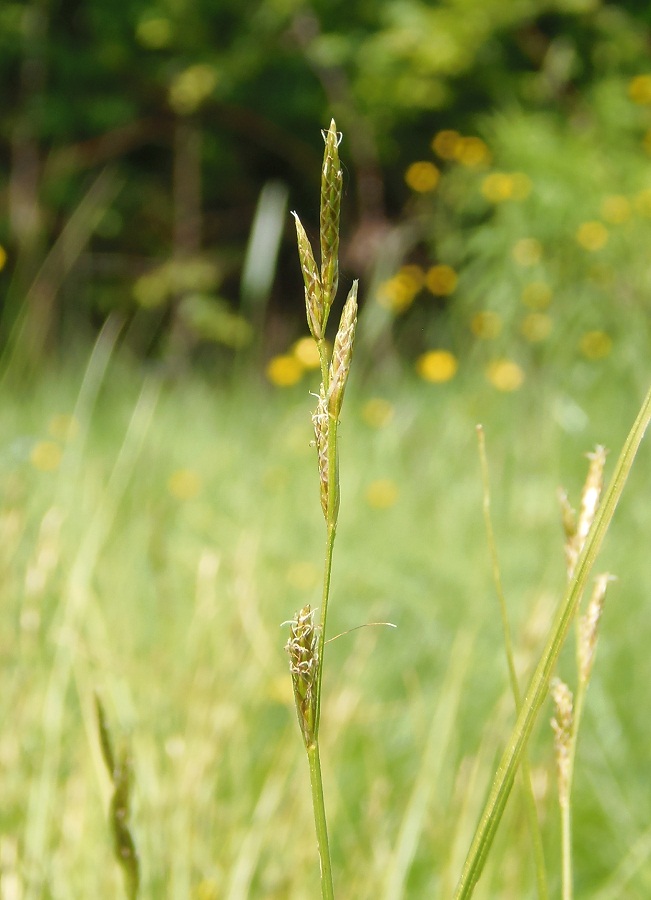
(160, 501)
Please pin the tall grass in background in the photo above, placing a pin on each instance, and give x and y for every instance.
(191, 572)
(154, 535)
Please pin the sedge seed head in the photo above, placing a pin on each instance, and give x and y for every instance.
(321, 422)
(313, 290)
(331, 190)
(342, 353)
(303, 650)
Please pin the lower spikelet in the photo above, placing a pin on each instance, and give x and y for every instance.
(303, 650)
(342, 353)
(321, 422)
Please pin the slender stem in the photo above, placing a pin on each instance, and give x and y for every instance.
(327, 570)
(318, 803)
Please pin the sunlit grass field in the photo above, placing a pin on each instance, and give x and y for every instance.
(155, 533)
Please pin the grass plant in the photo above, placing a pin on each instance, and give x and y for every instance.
(306, 644)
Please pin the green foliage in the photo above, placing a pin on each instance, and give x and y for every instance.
(199, 105)
(178, 546)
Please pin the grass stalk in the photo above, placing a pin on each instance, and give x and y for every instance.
(306, 644)
(320, 821)
(512, 756)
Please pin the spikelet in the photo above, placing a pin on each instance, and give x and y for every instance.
(313, 292)
(303, 650)
(589, 626)
(321, 422)
(562, 727)
(342, 353)
(577, 528)
(331, 189)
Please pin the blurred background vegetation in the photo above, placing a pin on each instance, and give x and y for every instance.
(498, 178)
(155, 531)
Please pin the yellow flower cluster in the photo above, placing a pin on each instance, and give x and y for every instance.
(505, 375)
(501, 186)
(184, 484)
(596, 345)
(470, 151)
(441, 280)
(486, 324)
(527, 251)
(592, 235)
(382, 493)
(639, 89)
(287, 369)
(397, 293)
(437, 366)
(422, 176)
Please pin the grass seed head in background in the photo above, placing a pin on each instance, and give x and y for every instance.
(119, 768)
(562, 727)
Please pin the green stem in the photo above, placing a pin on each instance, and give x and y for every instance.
(566, 850)
(318, 803)
(537, 692)
(327, 570)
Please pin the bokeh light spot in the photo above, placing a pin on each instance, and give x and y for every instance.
(184, 484)
(422, 176)
(486, 324)
(377, 412)
(596, 345)
(63, 427)
(616, 209)
(592, 236)
(505, 375)
(437, 366)
(536, 326)
(527, 252)
(306, 352)
(382, 493)
(441, 280)
(472, 152)
(445, 143)
(284, 370)
(498, 187)
(537, 295)
(46, 456)
(639, 89)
